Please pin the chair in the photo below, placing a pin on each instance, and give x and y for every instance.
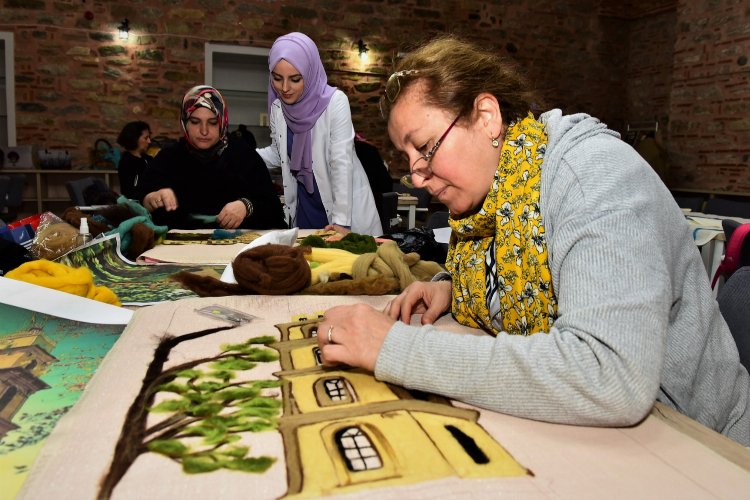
(11, 195)
(438, 219)
(423, 198)
(736, 252)
(80, 189)
(734, 304)
(694, 203)
(387, 204)
(727, 207)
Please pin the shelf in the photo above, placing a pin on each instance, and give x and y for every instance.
(45, 188)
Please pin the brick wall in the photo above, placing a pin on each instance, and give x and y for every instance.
(75, 82)
(709, 133)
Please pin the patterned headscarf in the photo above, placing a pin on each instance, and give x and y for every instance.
(301, 52)
(205, 96)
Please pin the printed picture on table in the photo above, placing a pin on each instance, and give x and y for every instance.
(134, 284)
(45, 362)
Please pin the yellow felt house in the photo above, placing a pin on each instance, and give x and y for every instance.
(345, 431)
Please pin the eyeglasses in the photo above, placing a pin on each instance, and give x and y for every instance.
(392, 89)
(426, 172)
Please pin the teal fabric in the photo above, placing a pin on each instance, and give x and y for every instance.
(143, 217)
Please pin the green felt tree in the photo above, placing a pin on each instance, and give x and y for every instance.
(214, 407)
(208, 404)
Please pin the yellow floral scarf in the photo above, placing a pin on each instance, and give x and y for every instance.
(498, 256)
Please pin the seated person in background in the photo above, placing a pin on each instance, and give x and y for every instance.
(312, 140)
(375, 167)
(567, 251)
(243, 133)
(135, 139)
(209, 179)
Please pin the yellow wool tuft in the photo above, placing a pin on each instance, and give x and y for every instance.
(77, 281)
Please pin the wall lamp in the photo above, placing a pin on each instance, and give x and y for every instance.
(363, 50)
(124, 29)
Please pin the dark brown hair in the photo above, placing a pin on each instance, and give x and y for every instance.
(456, 71)
(130, 134)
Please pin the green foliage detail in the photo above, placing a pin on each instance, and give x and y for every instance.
(212, 409)
(223, 375)
(172, 405)
(199, 464)
(259, 464)
(172, 387)
(229, 395)
(209, 385)
(168, 447)
(189, 373)
(237, 364)
(263, 355)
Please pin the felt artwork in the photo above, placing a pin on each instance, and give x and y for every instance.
(214, 237)
(45, 363)
(134, 284)
(188, 405)
(215, 247)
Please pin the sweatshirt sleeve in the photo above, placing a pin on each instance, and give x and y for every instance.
(600, 363)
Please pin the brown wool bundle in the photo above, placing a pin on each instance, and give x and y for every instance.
(264, 270)
(272, 269)
(53, 240)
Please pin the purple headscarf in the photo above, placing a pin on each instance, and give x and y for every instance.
(300, 51)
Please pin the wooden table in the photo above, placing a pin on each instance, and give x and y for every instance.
(667, 455)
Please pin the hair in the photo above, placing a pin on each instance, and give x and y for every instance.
(456, 71)
(130, 134)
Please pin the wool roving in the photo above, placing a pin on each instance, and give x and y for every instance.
(272, 269)
(78, 281)
(265, 270)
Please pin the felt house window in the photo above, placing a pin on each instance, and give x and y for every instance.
(468, 444)
(357, 450)
(316, 353)
(334, 391)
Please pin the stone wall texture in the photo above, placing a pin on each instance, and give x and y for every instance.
(683, 64)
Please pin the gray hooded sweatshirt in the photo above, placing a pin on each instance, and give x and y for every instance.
(637, 321)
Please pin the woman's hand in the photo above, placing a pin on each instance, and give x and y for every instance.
(337, 228)
(232, 215)
(431, 299)
(357, 333)
(162, 198)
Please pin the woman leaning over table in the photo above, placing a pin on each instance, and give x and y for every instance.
(209, 179)
(567, 250)
(312, 140)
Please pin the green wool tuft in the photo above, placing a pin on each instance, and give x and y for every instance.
(352, 242)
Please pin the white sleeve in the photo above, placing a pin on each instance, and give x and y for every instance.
(340, 161)
(270, 154)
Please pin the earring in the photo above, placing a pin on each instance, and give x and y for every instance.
(495, 143)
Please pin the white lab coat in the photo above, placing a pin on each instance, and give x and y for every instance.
(344, 188)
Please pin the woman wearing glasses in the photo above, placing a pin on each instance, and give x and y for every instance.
(567, 250)
(312, 140)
